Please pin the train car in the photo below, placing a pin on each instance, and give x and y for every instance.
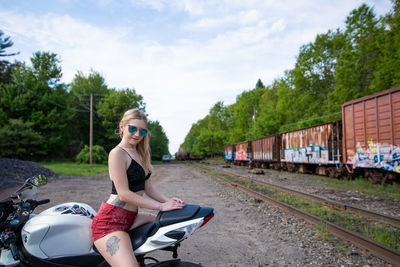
(371, 134)
(314, 149)
(242, 153)
(229, 153)
(182, 154)
(266, 151)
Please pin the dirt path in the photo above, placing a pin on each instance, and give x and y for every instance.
(244, 232)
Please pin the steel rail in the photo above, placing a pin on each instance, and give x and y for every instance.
(380, 250)
(326, 201)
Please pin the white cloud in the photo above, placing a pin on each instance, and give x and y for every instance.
(158, 5)
(246, 17)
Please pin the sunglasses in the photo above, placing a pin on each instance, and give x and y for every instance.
(133, 129)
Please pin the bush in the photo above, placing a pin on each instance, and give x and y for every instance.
(18, 139)
(99, 155)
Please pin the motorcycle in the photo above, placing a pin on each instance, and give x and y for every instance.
(61, 236)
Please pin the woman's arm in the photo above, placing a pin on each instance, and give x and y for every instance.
(152, 192)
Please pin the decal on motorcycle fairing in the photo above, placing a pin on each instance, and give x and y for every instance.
(75, 209)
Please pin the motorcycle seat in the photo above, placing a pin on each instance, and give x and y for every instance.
(174, 216)
(140, 234)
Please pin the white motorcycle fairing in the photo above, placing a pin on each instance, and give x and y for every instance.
(167, 235)
(60, 231)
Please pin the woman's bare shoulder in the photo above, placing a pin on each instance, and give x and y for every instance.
(117, 152)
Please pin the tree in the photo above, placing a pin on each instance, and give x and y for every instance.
(388, 73)
(245, 113)
(158, 140)
(18, 139)
(36, 96)
(190, 141)
(5, 66)
(93, 83)
(81, 87)
(268, 121)
(359, 59)
(259, 84)
(5, 42)
(115, 103)
(314, 74)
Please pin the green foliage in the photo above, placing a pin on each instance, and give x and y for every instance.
(158, 140)
(30, 97)
(208, 136)
(99, 155)
(5, 42)
(116, 102)
(359, 58)
(20, 140)
(83, 85)
(338, 66)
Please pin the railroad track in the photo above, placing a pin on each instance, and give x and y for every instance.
(378, 249)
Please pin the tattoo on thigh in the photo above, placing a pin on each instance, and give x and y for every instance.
(117, 202)
(112, 245)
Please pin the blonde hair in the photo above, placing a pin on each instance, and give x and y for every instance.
(143, 148)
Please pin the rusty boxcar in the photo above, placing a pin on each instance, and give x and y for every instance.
(317, 147)
(266, 151)
(371, 134)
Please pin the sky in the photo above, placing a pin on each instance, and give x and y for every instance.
(182, 56)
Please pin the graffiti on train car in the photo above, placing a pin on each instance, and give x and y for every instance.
(228, 155)
(310, 154)
(241, 155)
(381, 156)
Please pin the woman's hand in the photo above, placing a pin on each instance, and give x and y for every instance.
(172, 204)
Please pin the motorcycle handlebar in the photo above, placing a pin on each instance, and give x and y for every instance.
(43, 201)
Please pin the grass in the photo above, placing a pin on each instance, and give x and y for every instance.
(384, 234)
(67, 168)
(75, 169)
(215, 160)
(363, 185)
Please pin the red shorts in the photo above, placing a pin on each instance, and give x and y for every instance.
(110, 219)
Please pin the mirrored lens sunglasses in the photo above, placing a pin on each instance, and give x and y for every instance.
(132, 129)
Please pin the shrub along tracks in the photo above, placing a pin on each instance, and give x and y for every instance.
(356, 225)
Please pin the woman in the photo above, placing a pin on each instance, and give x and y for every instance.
(129, 169)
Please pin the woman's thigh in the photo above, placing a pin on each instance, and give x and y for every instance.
(142, 218)
(116, 248)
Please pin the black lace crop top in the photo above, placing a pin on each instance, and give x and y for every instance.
(136, 176)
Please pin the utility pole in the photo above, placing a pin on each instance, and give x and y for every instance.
(91, 130)
(91, 122)
(254, 117)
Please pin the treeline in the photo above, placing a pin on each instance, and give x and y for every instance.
(43, 118)
(340, 65)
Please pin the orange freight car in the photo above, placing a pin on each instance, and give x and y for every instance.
(371, 133)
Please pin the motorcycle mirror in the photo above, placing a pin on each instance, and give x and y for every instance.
(38, 180)
(30, 187)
